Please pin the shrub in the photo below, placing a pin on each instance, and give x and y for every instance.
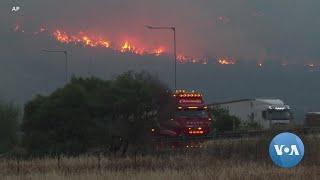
(223, 121)
(88, 113)
(9, 117)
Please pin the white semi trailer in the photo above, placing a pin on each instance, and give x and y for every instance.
(268, 113)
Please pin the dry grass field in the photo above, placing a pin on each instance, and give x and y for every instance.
(220, 159)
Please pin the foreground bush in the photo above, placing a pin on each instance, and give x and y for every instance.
(9, 117)
(223, 121)
(94, 113)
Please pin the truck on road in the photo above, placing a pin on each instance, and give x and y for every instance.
(186, 118)
(266, 112)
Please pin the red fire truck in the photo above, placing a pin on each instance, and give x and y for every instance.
(188, 117)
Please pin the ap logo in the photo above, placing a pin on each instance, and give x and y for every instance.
(286, 150)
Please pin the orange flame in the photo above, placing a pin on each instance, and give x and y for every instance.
(226, 61)
(81, 38)
(61, 36)
(91, 41)
(124, 47)
(127, 47)
(182, 58)
(159, 51)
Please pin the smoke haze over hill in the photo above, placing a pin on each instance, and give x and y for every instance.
(270, 32)
(252, 30)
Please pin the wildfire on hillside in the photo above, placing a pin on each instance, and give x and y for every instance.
(128, 46)
(226, 61)
(95, 41)
(80, 38)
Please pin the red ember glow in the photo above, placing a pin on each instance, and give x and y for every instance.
(159, 51)
(80, 38)
(128, 46)
(226, 61)
(92, 41)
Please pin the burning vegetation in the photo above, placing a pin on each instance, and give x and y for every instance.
(135, 47)
(101, 42)
(226, 61)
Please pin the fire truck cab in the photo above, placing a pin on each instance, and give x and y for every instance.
(189, 118)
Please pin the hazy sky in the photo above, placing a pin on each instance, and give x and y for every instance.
(251, 30)
(248, 29)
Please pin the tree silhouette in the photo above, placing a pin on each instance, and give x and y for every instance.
(9, 116)
(94, 113)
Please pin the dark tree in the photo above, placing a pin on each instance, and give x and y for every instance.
(93, 113)
(223, 121)
(9, 117)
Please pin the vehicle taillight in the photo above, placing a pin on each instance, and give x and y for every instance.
(196, 132)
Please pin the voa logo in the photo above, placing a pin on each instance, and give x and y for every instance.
(286, 150)
(283, 149)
